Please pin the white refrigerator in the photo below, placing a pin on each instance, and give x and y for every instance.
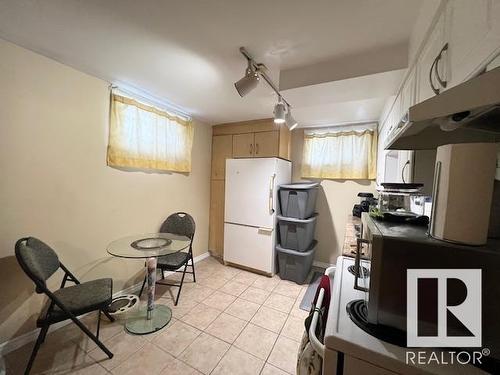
(251, 204)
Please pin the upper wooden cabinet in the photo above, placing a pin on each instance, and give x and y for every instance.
(222, 149)
(267, 144)
(243, 145)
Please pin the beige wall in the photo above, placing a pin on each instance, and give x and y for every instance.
(334, 204)
(55, 184)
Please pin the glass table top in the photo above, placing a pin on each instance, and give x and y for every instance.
(148, 245)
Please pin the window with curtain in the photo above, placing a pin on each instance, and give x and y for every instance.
(145, 137)
(342, 153)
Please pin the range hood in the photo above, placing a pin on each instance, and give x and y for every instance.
(466, 113)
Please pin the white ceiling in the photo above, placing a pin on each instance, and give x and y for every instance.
(186, 51)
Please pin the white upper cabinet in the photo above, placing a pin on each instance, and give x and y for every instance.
(432, 64)
(474, 36)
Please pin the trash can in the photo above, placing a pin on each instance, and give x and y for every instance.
(298, 199)
(296, 234)
(295, 265)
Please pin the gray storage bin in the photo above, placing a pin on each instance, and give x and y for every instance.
(296, 234)
(298, 199)
(295, 265)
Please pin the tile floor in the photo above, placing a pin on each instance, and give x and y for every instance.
(229, 322)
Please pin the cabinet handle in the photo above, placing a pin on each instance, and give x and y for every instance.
(441, 81)
(256, 148)
(251, 149)
(431, 71)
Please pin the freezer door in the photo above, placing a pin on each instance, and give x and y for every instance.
(250, 247)
(251, 192)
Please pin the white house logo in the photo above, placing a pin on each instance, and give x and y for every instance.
(444, 308)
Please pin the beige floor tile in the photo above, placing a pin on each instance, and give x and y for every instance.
(242, 309)
(148, 360)
(229, 272)
(219, 300)
(53, 357)
(256, 341)
(266, 283)
(151, 336)
(215, 281)
(183, 307)
(296, 310)
(204, 353)
(233, 288)
(288, 288)
(226, 327)
(176, 367)
(246, 277)
(284, 354)
(270, 319)
(271, 370)
(294, 328)
(237, 362)
(122, 346)
(201, 316)
(197, 292)
(279, 302)
(255, 295)
(176, 338)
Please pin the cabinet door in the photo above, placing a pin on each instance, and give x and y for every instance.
(222, 149)
(470, 22)
(216, 228)
(429, 53)
(266, 144)
(243, 145)
(408, 91)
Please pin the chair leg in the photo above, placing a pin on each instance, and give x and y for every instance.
(108, 315)
(98, 324)
(143, 284)
(180, 286)
(93, 337)
(39, 341)
(192, 266)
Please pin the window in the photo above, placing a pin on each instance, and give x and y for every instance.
(145, 137)
(340, 153)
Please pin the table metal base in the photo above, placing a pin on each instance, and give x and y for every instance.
(139, 324)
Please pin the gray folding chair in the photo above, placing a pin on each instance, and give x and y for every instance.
(40, 262)
(182, 224)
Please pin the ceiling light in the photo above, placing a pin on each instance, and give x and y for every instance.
(279, 113)
(290, 121)
(248, 82)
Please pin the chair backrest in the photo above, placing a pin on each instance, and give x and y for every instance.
(37, 260)
(180, 223)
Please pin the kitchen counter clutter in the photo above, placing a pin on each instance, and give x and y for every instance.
(296, 225)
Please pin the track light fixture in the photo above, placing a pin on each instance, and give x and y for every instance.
(282, 110)
(248, 82)
(289, 120)
(279, 112)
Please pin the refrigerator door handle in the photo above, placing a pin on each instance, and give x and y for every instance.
(271, 194)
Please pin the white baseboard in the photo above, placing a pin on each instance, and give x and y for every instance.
(15, 343)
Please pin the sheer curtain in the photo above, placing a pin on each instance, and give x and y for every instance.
(143, 136)
(344, 153)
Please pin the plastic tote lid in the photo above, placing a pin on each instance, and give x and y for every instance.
(300, 185)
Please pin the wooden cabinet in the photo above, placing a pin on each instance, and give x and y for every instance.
(222, 149)
(247, 139)
(243, 145)
(266, 144)
(216, 227)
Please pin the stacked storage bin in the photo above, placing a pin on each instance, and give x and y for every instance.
(296, 226)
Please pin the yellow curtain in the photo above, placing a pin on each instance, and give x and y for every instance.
(348, 154)
(145, 137)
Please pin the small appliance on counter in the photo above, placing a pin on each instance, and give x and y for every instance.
(462, 193)
(367, 200)
(402, 202)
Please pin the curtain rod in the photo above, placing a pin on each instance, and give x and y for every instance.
(150, 99)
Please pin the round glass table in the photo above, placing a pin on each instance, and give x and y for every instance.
(150, 246)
